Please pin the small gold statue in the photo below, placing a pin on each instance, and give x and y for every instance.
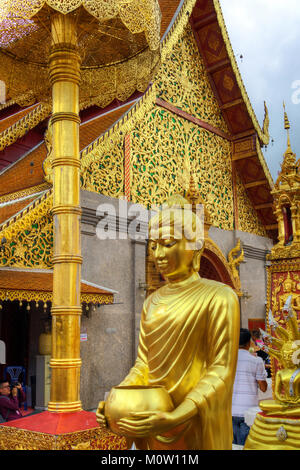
(287, 379)
(188, 345)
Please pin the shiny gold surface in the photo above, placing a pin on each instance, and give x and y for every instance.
(12, 438)
(119, 44)
(188, 344)
(122, 401)
(272, 433)
(235, 257)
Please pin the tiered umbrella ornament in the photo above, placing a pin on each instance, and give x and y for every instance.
(73, 54)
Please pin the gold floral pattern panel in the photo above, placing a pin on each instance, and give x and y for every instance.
(105, 174)
(248, 220)
(32, 248)
(182, 80)
(165, 149)
(27, 241)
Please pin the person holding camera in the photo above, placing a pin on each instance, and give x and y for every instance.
(9, 400)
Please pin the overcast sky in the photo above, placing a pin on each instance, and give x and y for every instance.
(267, 34)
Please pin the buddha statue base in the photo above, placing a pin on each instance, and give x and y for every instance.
(273, 432)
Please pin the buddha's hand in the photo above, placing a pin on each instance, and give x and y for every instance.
(101, 420)
(153, 423)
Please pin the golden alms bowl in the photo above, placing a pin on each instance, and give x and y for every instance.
(123, 400)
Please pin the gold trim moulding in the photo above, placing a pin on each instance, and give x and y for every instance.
(57, 117)
(69, 161)
(67, 259)
(65, 363)
(68, 310)
(63, 407)
(66, 209)
(39, 296)
(63, 46)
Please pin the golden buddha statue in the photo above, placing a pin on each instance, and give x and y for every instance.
(188, 344)
(289, 288)
(287, 379)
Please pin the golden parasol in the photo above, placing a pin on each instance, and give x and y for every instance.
(73, 53)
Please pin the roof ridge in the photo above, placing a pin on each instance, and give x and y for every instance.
(263, 134)
(22, 220)
(23, 125)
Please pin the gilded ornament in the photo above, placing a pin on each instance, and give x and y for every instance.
(29, 236)
(25, 193)
(235, 257)
(281, 434)
(47, 163)
(287, 380)
(125, 61)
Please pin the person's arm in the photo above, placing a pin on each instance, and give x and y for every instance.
(263, 385)
(261, 375)
(10, 403)
(22, 395)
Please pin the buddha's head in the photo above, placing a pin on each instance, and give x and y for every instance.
(176, 240)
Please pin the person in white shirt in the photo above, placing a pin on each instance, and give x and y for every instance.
(250, 375)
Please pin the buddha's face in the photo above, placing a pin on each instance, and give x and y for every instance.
(172, 259)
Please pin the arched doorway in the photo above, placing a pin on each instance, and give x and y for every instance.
(211, 267)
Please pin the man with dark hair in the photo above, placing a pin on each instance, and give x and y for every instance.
(9, 402)
(250, 375)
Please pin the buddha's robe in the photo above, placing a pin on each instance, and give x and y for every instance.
(188, 343)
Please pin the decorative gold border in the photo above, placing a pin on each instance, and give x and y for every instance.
(24, 192)
(23, 125)
(38, 296)
(24, 219)
(92, 439)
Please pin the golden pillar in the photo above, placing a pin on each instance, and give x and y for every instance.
(67, 260)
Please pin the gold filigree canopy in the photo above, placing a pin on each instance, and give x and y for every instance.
(118, 40)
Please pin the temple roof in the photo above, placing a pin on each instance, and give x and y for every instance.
(22, 169)
(37, 285)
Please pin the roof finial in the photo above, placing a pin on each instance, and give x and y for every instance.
(287, 126)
